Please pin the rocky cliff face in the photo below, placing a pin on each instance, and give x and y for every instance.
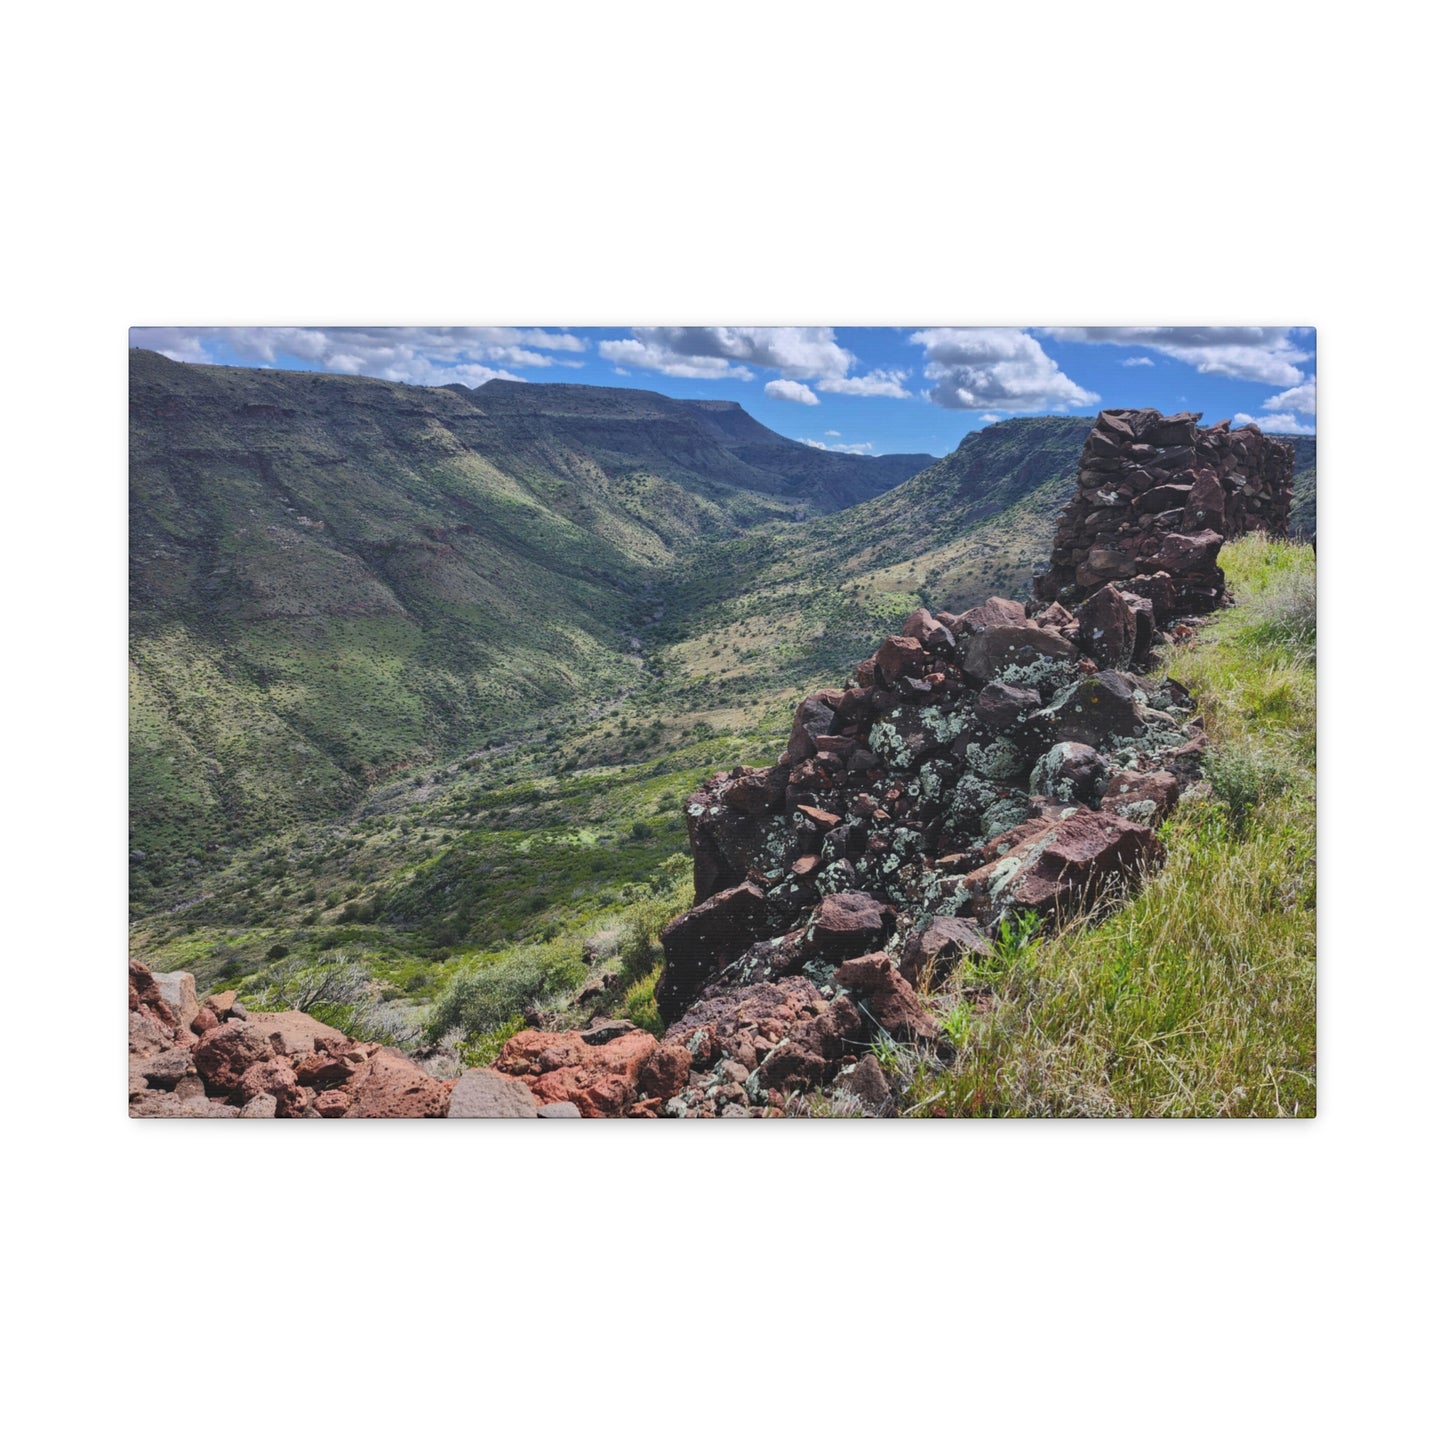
(1157, 498)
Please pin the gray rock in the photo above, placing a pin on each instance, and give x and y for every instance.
(486, 1094)
(263, 1106)
(565, 1110)
(166, 1070)
(179, 991)
(239, 1010)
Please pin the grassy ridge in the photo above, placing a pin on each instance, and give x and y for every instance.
(1196, 998)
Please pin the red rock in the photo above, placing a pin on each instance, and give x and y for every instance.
(665, 1071)
(939, 945)
(332, 1104)
(602, 1080)
(1066, 865)
(1107, 627)
(827, 821)
(754, 790)
(990, 651)
(148, 999)
(900, 657)
(886, 997)
(225, 1053)
(814, 716)
(846, 922)
(1146, 798)
(204, 1022)
(705, 939)
(808, 864)
(388, 1085)
(996, 612)
(271, 1076)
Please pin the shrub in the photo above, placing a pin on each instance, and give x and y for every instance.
(487, 993)
(1245, 776)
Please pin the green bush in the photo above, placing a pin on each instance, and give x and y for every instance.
(1245, 776)
(487, 993)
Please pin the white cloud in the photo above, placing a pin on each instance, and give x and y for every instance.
(424, 356)
(1138, 361)
(1276, 422)
(989, 417)
(798, 352)
(1297, 398)
(994, 368)
(876, 383)
(1247, 353)
(790, 391)
(855, 449)
(832, 433)
(645, 356)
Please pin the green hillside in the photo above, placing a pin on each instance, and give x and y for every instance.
(1302, 510)
(334, 576)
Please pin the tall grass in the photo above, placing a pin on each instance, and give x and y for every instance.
(1197, 997)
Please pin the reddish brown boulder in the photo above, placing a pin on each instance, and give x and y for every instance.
(939, 945)
(886, 997)
(147, 1000)
(705, 939)
(273, 1077)
(225, 1053)
(754, 790)
(665, 1071)
(846, 922)
(900, 657)
(1068, 864)
(601, 1079)
(204, 1022)
(814, 717)
(996, 612)
(1107, 629)
(388, 1085)
(332, 1104)
(1146, 798)
(995, 648)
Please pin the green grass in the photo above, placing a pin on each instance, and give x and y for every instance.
(1197, 997)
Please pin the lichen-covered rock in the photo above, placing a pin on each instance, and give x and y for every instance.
(1146, 798)
(1064, 866)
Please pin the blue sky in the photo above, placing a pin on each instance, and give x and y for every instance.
(868, 390)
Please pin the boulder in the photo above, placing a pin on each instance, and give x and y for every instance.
(885, 997)
(178, 989)
(847, 922)
(990, 651)
(705, 939)
(274, 1078)
(225, 1053)
(865, 1081)
(566, 1109)
(1146, 798)
(602, 1080)
(996, 612)
(389, 1085)
(1107, 629)
(1000, 706)
(941, 943)
(1070, 773)
(1066, 865)
(1095, 709)
(900, 657)
(488, 1094)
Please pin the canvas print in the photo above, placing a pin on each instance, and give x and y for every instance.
(755, 722)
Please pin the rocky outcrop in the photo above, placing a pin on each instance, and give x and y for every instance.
(227, 1063)
(981, 765)
(1157, 498)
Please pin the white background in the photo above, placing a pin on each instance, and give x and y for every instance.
(800, 163)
